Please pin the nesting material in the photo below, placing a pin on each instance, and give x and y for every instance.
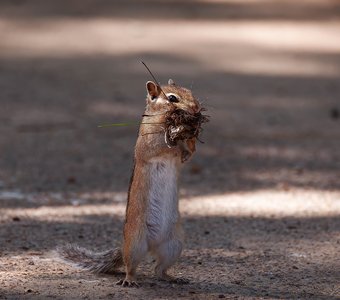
(181, 125)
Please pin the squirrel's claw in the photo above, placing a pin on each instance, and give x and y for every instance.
(127, 283)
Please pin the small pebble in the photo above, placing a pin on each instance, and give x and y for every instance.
(334, 113)
(71, 180)
(291, 227)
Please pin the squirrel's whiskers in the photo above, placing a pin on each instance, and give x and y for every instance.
(152, 222)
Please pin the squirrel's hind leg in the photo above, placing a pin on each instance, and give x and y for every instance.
(134, 252)
(167, 254)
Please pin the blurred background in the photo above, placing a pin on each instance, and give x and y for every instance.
(266, 70)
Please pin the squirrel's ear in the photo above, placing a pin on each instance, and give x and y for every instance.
(153, 89)
(171, 82)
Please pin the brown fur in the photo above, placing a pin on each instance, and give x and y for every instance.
(150, 148)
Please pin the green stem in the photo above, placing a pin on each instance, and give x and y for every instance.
(123, 124)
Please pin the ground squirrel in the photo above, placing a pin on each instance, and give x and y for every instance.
(152, 223)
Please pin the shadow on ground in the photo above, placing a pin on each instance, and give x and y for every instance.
(250, 257)
(252, 142)
(173, 9)
(268, 131)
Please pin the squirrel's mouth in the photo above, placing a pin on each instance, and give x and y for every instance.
(183, 125)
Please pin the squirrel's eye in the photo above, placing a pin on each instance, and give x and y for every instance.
(173, 98)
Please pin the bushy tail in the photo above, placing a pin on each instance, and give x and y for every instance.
(102, 262)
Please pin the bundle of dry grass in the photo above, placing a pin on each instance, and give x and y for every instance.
(181, 125)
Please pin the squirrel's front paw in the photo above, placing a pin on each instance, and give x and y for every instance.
(127, 283)
(185, 155)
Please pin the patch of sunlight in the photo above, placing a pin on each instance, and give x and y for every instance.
(261, 47)
(65, 213)
(263, 203)
(266, 203)
(11, 195)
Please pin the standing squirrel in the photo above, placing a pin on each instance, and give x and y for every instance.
(152, 223)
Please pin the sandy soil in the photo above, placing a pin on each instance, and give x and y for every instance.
(261, 198)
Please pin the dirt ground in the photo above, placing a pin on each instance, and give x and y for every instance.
(261, 198)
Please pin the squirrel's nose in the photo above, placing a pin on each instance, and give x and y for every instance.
(191, 110)
(195, 108)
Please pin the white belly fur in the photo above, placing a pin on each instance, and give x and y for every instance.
(162, 213)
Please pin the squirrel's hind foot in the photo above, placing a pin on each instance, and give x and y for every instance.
(127, 283)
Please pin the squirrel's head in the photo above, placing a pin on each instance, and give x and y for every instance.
(170, 97)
